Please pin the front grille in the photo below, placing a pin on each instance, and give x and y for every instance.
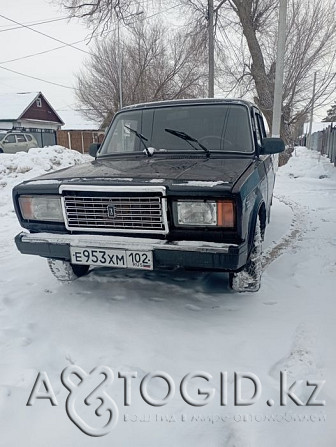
(115, 213)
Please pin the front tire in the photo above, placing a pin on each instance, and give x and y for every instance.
(249, 278)
(65, 271)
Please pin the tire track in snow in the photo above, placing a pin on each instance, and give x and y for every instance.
(288, 241)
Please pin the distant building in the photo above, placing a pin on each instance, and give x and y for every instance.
(30, 112)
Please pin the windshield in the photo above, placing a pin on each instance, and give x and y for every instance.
(219, 127)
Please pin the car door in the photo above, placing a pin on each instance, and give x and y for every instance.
(30, 141)
(9, 144)
(268, 160)
(22, 144)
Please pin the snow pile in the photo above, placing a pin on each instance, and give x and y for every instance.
(178, 322)
(38, 161)
(16, 168)
(308, 164)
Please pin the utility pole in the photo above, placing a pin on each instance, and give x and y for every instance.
(312, 113)
(120, 68)
(211, 92)
(279, 71)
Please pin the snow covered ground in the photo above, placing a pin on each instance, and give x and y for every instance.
(177, 323)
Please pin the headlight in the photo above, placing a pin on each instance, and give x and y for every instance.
(196, 213)
(206, 213)
(44, 208)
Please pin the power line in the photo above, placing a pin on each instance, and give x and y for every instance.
(45, 35)
(228, 41)
(53, 49)
(41, 52)
(160, 12)
(21, 25)
(64, 43)
(33, 24)
(38, 79)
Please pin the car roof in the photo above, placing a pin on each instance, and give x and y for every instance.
(17, 131)
(3, 133)
(197, 101)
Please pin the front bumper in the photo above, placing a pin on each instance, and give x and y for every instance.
(196, 255)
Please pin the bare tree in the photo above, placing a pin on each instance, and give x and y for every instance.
(246, 35)
(100, 14)
(155, 66)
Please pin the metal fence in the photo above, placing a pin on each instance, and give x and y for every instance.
(324, 142)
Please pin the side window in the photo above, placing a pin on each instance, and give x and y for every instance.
(20, 138)
(122, 138)
(29, 137)
(258, 130)
(261, 125)
(10, 139)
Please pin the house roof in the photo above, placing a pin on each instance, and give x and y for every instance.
(14, 105)
(73, 120)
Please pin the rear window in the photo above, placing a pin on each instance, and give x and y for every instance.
(219, 127)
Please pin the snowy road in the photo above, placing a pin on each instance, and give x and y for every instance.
(179, 323)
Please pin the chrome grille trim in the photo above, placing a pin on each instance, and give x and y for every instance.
(134, 213)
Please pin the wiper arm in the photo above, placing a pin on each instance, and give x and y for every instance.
(141, 137)
(184, 136)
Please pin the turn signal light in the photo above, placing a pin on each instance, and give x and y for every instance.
(225, 214)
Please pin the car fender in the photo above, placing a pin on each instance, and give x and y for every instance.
(259, 210)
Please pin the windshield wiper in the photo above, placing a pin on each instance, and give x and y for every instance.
(184, 136)
(141, 137)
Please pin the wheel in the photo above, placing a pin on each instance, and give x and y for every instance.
(65, 271)
(249, 279)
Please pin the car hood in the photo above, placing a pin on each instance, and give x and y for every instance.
(224, 170)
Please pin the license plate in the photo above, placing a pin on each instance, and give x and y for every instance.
(132, 259)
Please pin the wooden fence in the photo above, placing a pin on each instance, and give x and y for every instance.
(79, 140)
(324, 142)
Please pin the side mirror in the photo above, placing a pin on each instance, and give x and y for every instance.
(272, 146)
(93, 149)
